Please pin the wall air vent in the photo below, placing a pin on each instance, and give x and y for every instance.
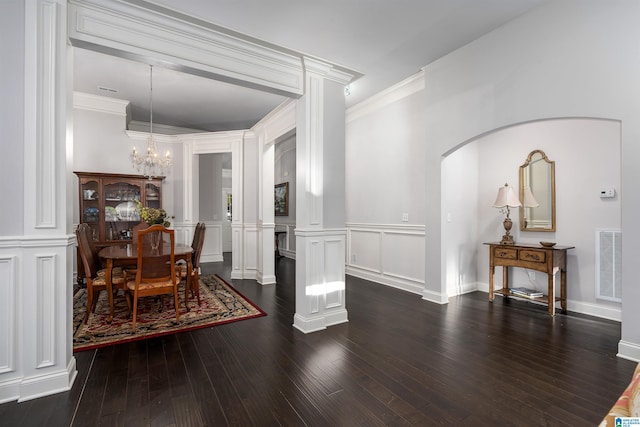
(107, 89)
(609, 265)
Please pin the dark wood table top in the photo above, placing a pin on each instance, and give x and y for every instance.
(130, 251)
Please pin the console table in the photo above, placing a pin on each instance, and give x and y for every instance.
(548, 260)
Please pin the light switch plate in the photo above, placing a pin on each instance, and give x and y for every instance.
(405, 217)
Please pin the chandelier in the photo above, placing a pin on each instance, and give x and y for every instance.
(151, 163)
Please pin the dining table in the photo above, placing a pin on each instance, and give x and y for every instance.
(127, 255)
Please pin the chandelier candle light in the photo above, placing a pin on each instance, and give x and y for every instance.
(507, 199)
(151, 164)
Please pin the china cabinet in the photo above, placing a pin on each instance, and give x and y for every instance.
(107, 203)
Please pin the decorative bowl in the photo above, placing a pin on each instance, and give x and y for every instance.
(548, 244)
(127, 211)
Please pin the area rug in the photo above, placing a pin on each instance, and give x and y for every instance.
(219, 303)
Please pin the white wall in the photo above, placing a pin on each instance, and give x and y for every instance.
(385, 178)
(385, 156)
(11, 115)
(460, 206)
(585, 63)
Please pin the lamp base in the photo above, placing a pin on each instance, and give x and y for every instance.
(507, 239)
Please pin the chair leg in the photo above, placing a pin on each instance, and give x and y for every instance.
(175, 299)
(195, 282)
(89, 302)
(186, 292)
(127, 296)
(135, 310)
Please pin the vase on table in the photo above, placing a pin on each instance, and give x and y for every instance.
(156, 238)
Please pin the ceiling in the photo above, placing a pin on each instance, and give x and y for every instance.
(387, 41)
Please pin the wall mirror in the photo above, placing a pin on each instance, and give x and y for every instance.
(538, 193)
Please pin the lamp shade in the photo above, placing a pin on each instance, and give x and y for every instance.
(529, 201)
(507, 197)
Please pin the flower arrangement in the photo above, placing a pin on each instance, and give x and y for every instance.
(153, 216)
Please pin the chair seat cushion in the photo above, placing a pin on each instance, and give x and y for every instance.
(102, 280)
(131, 285)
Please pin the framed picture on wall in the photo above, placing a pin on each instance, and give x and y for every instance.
(281, 200)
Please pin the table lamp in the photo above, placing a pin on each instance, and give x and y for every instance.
(507, 199)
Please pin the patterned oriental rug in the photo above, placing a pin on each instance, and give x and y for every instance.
(219, 303)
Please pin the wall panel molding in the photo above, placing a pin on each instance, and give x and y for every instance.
(388, 254)
(8, 304)
(46, 310)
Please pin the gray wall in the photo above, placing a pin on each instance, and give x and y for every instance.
(11, 117)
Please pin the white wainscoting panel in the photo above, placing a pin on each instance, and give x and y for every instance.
(8, 304)
(364, 247)
(212, 248)
(46, 322)
(250, 267)
(393, 255)
(403, 255)
(334, 272)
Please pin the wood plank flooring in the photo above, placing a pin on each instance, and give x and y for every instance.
(399, 361)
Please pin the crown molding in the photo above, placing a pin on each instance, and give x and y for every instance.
(100, 104)
(145, 31)
(394, 93)
(140, 126)
(136, 136)
(279, 122)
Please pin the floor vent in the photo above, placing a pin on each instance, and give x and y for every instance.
(609, 265)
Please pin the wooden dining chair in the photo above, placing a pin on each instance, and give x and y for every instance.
(95, 277)
(155, 273)
(193, 282)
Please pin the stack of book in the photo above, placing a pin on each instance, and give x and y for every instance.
(526, 292)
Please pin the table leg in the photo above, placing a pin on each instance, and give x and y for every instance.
(551, 301)
(505, 279)
(563, 290)
(492, 271)
(109, 288)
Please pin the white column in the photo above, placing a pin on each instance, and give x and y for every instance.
(41, 358)
(266, 221)
(320, 204)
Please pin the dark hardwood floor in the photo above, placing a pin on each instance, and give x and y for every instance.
(399, 360)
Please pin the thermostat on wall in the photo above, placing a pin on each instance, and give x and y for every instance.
(606, 193)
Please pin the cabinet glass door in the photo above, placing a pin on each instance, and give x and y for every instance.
(152, 194)
(120, 209)
(90, 206)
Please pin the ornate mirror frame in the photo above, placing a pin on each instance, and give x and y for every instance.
(538, 193)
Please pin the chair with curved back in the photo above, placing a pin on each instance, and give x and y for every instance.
(155, 274)
(196, 245)
(95, 277)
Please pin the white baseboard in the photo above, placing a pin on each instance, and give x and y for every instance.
(405, 285)
(51, 383)
(211, 258)
(629, 351)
